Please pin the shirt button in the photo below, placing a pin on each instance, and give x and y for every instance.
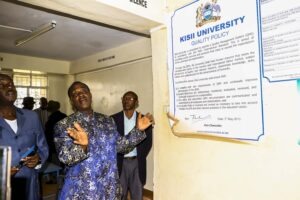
(16, 137)
(19, 150)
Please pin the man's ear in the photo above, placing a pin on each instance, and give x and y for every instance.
(137, 104)
(72, 105)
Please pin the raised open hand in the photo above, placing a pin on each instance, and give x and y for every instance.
(78, 135)
(145, 121)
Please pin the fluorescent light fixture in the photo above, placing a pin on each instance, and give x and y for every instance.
(15, 28)
(35, 33)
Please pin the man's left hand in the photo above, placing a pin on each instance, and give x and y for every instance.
(145, 121)
(31, 161)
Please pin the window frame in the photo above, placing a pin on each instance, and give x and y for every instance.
(31, 75)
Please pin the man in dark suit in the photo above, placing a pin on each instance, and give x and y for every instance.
(54, 117)
(132, 166)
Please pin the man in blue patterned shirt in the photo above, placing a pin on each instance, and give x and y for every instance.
(87, 142)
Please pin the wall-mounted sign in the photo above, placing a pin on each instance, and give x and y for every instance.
(281, 39)
(215, 69)
(106, 58)
(142, 3)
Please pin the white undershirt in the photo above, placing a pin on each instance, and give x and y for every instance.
(129, 124)
(13, 124)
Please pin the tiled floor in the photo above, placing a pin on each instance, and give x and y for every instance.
(49, 190)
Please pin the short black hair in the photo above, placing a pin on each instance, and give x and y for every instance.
(53, 106)
(132, 93)
(43, 99)
(71, 88)
(6, 76)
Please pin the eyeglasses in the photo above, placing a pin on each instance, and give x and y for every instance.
(75, 93)
(128, 99)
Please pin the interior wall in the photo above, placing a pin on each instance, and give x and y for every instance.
(113, 57)
(209, 168)
(108, 86)
(12, 61)
(57, 91)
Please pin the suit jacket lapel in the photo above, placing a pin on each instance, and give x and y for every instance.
(4, 125)
(20, 120)
(122, 128)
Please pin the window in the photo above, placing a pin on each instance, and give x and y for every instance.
(30, 83)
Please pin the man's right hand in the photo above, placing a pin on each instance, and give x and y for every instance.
(79, 136)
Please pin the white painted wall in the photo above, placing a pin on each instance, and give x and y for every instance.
(209, 168)
(11, 61)
(108, 86)
(133, 51)
(57, 90)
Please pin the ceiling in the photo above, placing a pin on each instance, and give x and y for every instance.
(71, 39)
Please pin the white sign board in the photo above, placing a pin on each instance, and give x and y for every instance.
(281, 39)
(215, 69)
